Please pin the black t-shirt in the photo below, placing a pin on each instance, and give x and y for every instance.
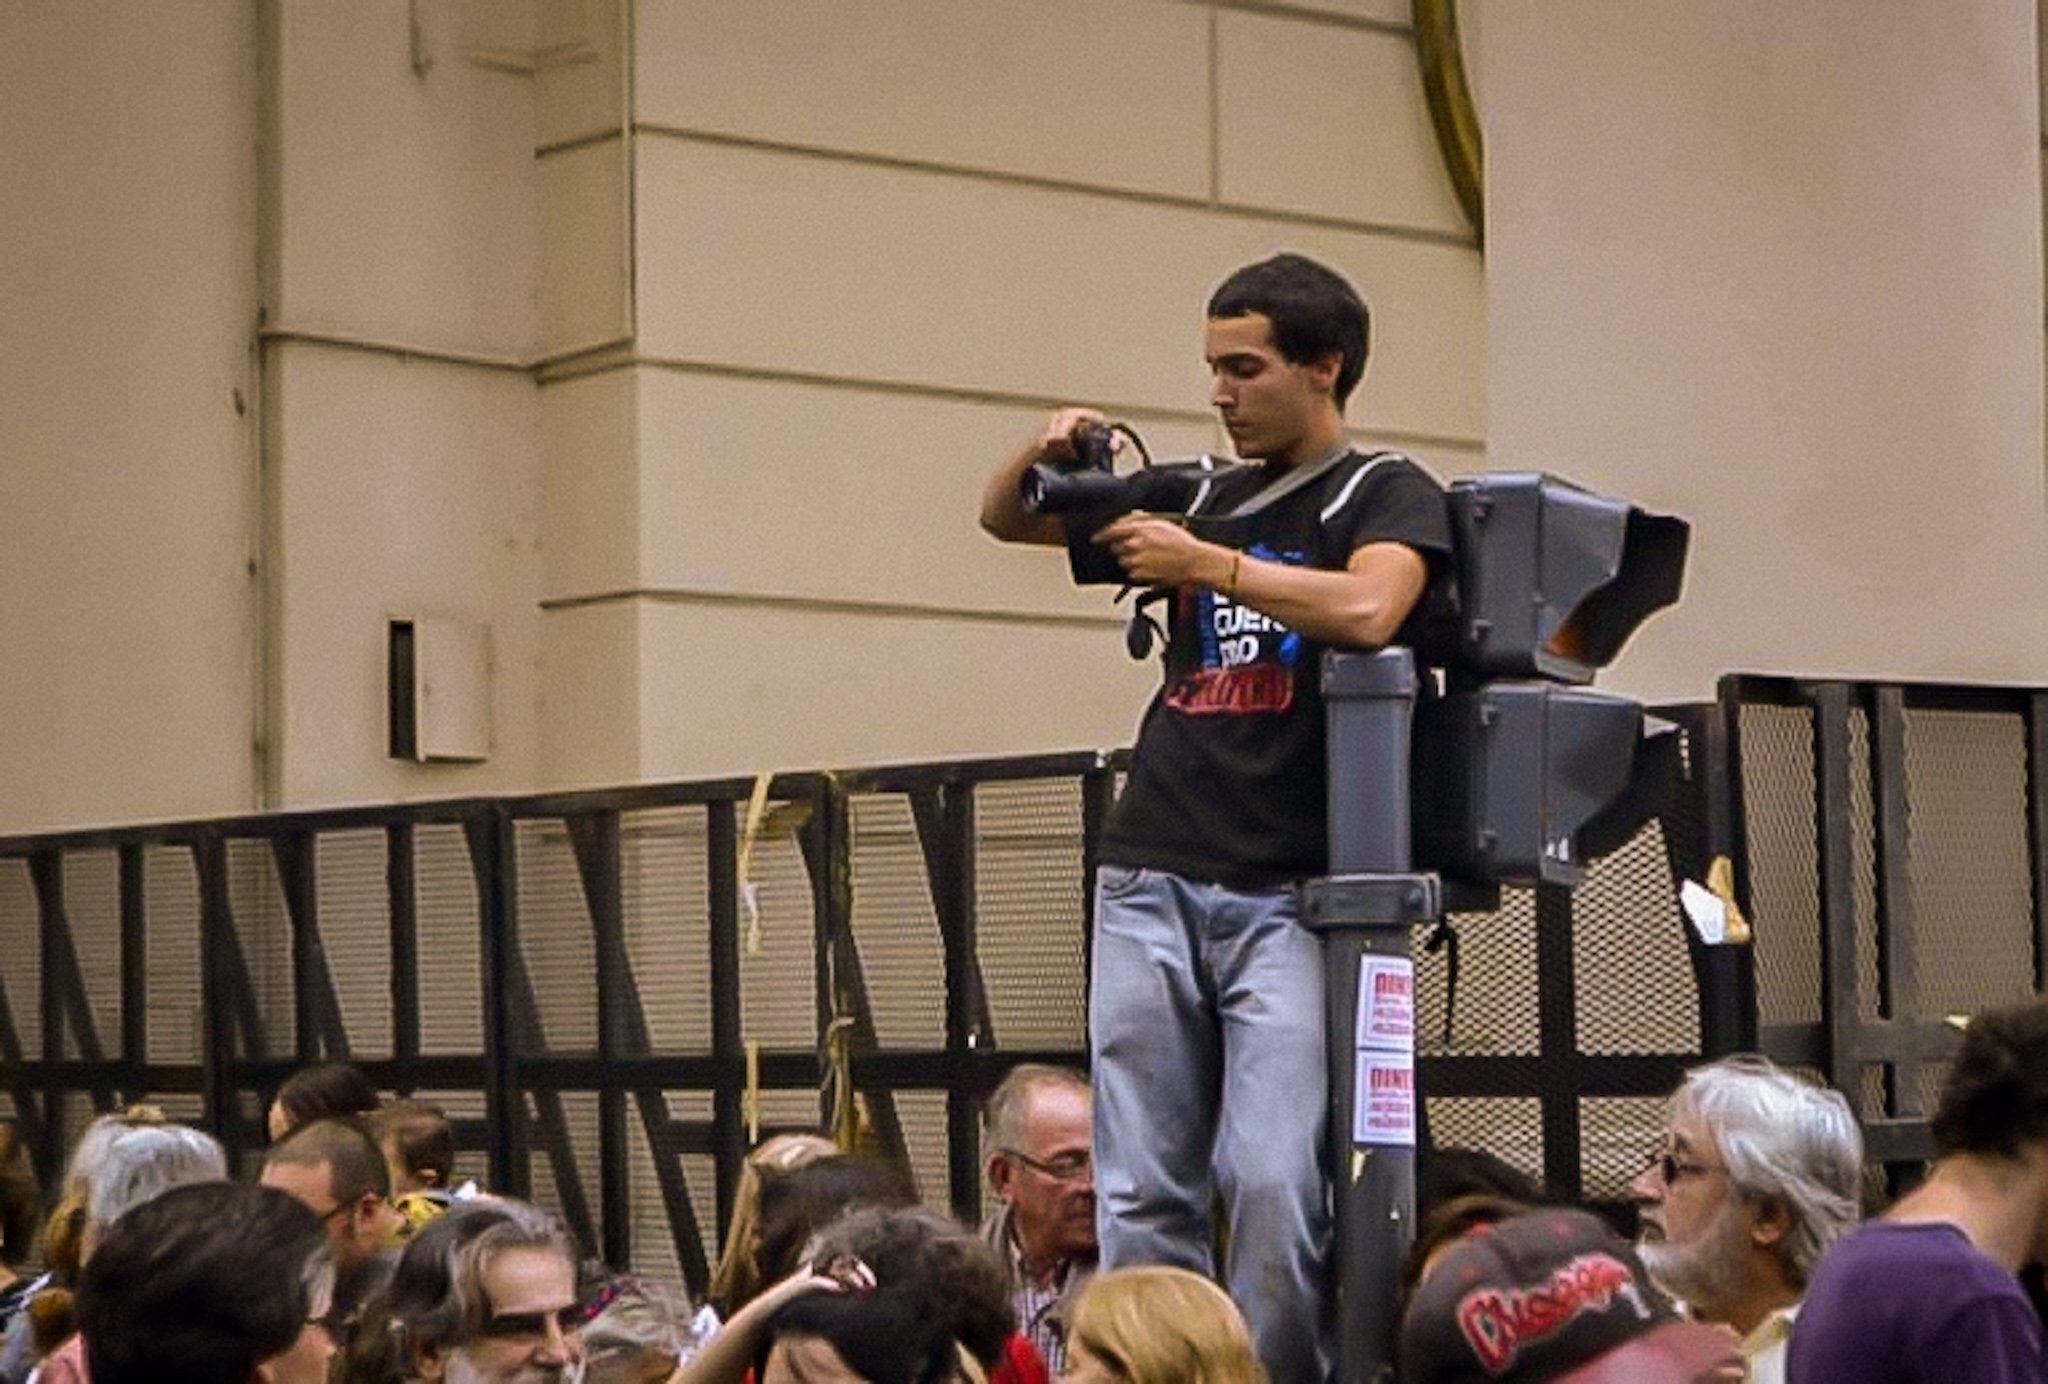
(1227, 777)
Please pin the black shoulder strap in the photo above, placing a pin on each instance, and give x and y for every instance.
(1300, 479)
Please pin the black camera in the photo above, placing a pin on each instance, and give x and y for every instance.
(1088, 493)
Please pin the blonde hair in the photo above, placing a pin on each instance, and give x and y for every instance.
(1165, 1326)
(737, 1279)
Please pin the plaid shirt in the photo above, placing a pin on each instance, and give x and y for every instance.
(1034, 1303)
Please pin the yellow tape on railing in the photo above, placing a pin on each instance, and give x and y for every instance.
(750, 895)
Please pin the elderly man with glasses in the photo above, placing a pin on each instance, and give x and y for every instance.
(1757, 1173)
(1038, 1126)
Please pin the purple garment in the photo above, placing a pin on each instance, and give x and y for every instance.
(1899, 1304)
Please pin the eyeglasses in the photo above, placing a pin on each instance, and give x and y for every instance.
(1071, 1166)
(529, 1326)
(1671, 1168)
(331, 1212)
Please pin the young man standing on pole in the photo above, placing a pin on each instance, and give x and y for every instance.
(1206, 1015)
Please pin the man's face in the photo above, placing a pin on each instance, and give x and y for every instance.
(1696, 1231)
(530, 1290)
(313, 1185)
(1053, 1216)
(1269, 405)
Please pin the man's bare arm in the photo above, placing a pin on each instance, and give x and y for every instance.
(1002, 510)
(1362, 606)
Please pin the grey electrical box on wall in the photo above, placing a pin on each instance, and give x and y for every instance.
(438, 672)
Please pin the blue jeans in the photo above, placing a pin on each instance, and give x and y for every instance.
(1205, 1017)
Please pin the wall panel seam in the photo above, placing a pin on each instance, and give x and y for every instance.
(1309, 14)
(831, 605)
(1390, 230)
(962, 394)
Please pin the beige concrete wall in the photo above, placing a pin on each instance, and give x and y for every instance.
(405, 314)
(1778, 268)
(872, 244)
(127, 443)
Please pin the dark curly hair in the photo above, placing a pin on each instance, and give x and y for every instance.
(1995, 1097)
(955, 1276)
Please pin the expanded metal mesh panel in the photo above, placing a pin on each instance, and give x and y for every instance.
(1616, 1136)
(1863, 862)
(256, 899)
(700, 1175)
(170, 904)
(182, 1107)
(353, 890)
(1636, 989)
(1784, 868)
(653, 1239)
(1029, 912)
(787, 1108)
(549, 1174)
(92, 908)
(778, 963)
(1972, 871)
(555, 940)
(922, 1115)
(1508, 1127)
(895, 926)
(21, 956)
(1496, 1003)
(665, 887)
(447, 915)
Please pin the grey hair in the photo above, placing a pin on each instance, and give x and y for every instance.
(436, 1297)
(147, 1161)
(1004, 1116)
(92, 1145)
(1784, 1139)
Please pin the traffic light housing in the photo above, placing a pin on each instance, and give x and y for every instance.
(1553, 578)
(1523, 774)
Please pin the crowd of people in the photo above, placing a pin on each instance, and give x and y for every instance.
(357, 1256)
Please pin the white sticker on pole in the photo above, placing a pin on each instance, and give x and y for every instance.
(1386, 1002)
(1384, 1102)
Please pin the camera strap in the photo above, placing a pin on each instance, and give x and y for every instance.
(1299, 478)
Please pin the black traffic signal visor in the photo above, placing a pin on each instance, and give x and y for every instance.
(1553, 578)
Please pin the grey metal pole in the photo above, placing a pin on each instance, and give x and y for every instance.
(1365, 909)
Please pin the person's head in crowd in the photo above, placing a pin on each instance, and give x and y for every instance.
(635, 1333)
(1442, 1227)
(1758, 1170)
(418, 1143)
(798, 1203)
(141, 1164)
(1994, 1100)
(485, 1293)
(1446, 1174)
(1039, 1127)
(21, 1203)
(929, 1302)
(882, 1335)
(1553, 1295)
(323, 1091)
(213, 1283)
(1159, 1325)
(737, 1279)
(64, 1230)
(335, 1169)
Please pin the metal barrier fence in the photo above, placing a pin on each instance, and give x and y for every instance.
(612, 992)
(1892, 844)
